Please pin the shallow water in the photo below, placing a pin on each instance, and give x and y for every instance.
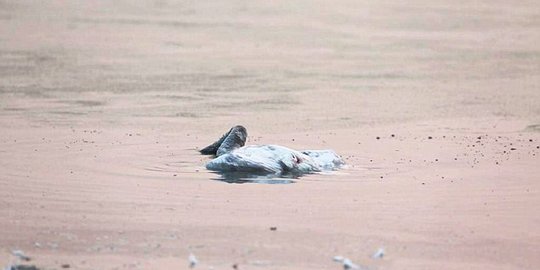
(122, 61)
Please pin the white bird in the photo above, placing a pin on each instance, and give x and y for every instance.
(233, 156)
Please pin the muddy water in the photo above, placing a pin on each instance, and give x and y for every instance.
(129, 60)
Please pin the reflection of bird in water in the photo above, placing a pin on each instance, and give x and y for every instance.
(233, 156)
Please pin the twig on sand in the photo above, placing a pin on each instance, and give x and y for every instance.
(20, 254)
(347, 263)
(379, 254)
(192, 260)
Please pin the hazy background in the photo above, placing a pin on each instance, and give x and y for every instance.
(117, 61)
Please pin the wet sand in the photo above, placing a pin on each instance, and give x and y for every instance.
(435, 106)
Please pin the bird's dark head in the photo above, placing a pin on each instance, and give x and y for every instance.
(234, 138)
(240, 132)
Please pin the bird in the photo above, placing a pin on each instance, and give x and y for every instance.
(232, 155)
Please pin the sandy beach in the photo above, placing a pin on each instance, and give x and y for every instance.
(433, 105)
